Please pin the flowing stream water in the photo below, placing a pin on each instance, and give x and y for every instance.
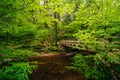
(54, 67)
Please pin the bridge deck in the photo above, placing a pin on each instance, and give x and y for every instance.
(82, 45)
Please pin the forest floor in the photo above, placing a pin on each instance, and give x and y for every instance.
(54, 67)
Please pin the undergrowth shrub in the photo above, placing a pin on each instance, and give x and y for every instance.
(15, 53)
(17, 71)
(95, 67)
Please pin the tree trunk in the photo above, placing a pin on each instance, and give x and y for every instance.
(51, 36)
(56, 28)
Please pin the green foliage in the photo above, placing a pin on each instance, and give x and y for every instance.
(17, 71)
(8, 53)
(97, 25)
(92, 67)
(31, 24)
(42, 34)
(53, 48)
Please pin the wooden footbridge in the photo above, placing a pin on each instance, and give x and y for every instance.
(69, 43)
(77, 44)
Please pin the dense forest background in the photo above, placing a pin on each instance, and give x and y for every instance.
(29, 27)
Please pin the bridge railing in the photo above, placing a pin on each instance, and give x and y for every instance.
(78, 44)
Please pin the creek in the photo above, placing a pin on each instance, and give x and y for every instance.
(54, 67)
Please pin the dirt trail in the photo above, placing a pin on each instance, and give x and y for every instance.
(54, 67)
